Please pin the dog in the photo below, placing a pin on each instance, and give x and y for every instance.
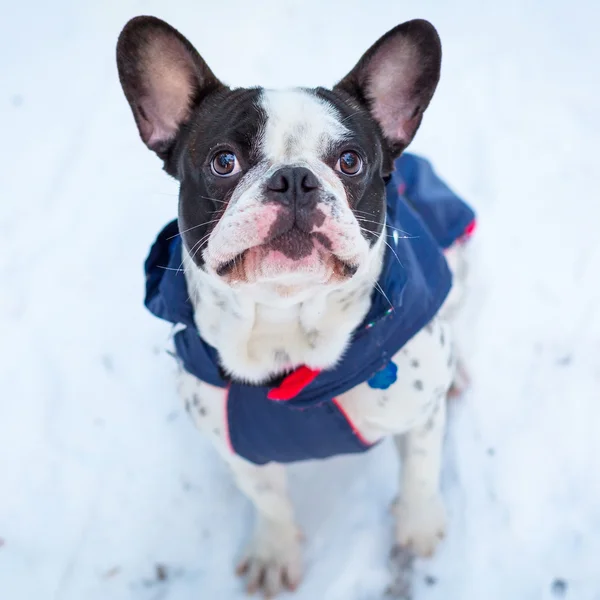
(309, 292)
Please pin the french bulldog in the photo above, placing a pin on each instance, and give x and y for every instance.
(310, 298)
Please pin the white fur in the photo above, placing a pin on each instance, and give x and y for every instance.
(260, 331)
(250, 325)
(303, 325)
(300, 126)
(412, 410)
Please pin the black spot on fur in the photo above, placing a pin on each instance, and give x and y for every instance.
(323, 239)
(281, 356)
(312, 338)
(220, 300)
(418, 385)
(429, 424)
(366, 293)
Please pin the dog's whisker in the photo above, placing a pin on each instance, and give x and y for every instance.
(214, 199)
(194, 227)
(191, 253)
(390, 247)
(389, 235)
(406, 233)
(394, 236)
(394, 253)
(201, 245)
(380, 289)
(194, 250)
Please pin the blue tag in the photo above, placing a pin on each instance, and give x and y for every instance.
(384, 377)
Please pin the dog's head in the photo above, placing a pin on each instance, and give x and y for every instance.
(285, 189)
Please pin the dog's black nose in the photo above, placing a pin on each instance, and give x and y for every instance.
(294, 186)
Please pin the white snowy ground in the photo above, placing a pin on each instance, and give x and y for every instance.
(103, 481)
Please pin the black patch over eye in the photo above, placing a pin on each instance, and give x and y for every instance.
(225, 164)
(349, 163)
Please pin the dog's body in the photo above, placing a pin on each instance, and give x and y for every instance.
(282, 215)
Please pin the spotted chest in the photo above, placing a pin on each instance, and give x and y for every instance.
(258, 340)
(425, 370)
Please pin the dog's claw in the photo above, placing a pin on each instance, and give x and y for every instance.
(269, 578)
(273, 561)
(242, 568)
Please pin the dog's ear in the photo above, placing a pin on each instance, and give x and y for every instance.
(163, 78)
(396, 78)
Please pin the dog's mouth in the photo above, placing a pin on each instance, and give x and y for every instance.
(289, 252)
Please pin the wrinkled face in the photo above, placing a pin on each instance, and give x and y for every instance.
(283, 187)
(287, 187)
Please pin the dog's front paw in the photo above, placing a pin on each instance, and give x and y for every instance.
(420, 524)
(273, 560)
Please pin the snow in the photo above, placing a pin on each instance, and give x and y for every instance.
(104, 483)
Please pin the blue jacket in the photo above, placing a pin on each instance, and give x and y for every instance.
(300, 418)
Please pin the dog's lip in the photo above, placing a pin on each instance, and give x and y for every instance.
(224, 268)
(348, 268)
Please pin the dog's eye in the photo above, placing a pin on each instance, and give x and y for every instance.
(349, 163)
(225, 164)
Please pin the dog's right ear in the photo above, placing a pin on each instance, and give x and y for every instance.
(163, 78)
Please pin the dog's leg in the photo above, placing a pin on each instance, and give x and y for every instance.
(413, 410)
(273, 559)
(421, 521)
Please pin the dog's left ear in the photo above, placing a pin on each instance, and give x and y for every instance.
(396, 78)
